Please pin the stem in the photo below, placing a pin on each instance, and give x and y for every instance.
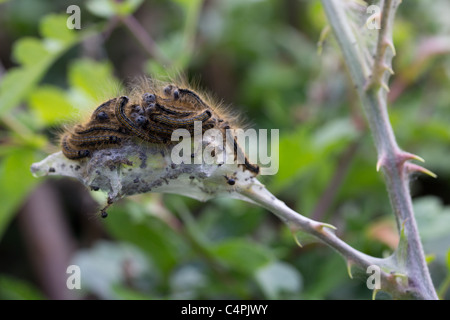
(391, 159)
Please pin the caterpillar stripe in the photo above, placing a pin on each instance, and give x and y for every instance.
(123, 119)
(72, 153)
(101, 128)
(183, 122)
(172, 110)
(93, 140)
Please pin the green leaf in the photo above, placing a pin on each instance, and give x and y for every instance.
(51, 104)
(29, 51)
(187, 280)
(95, 79)
(187, 3)
(54, 26)
(102, 268)
(433, 220)
(155, 69)
(326, 278)
(172, 47)
(279, 280)
(242, 255)
(12, 288)
(101, 8)
(15, 182)
(151, 235)
(335, 132)
(296, 146)
(124, 293)
(110, 8)
(18, 82)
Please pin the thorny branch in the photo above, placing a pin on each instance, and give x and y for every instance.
(394, 162)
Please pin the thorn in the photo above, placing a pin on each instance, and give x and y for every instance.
(349, 269)
(416, 157)
(319, 226)
(385, 87)
(379, 163)
(411, 167)
(388, 68)
(293, 231)
(323, 35)
(410, 156)
(374, 293)
(297, 242)
(327, 225)
(390, 45)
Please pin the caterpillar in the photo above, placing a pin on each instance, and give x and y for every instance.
(101, 131)
(149, 114)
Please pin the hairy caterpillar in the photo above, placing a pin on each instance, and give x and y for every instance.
(150, 114)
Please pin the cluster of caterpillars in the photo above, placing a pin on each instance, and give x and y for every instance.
(151, 118)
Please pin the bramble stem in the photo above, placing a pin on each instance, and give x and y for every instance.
(321, 231)
(392, 160)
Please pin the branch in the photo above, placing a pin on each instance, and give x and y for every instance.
(391, 159)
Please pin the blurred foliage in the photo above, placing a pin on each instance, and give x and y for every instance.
(261, 57)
